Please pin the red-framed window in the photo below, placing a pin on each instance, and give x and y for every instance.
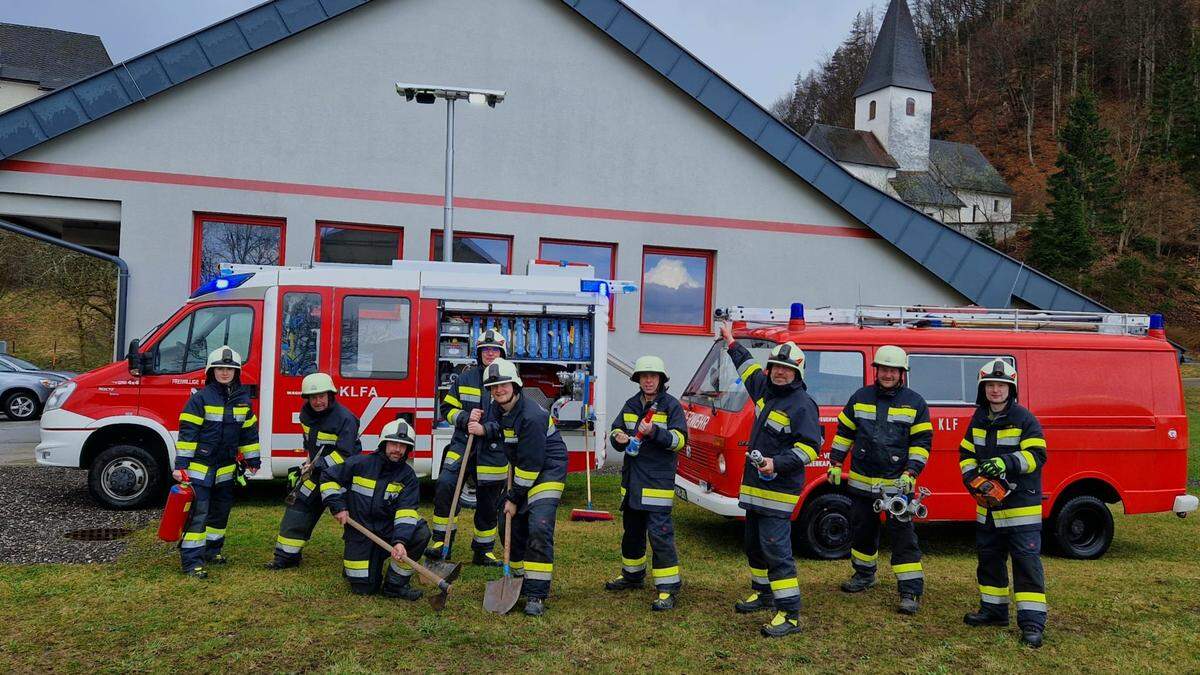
(223, 238)
(600, 255)
(476, 247)
(358, 243)
(677, 287)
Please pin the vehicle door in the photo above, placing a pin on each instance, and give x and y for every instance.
(304, 345)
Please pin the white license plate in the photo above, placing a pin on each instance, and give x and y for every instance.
(681, 493)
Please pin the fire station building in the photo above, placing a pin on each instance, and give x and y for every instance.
(277, 136)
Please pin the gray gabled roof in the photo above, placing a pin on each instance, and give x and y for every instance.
(924, 189)
(850, 145)
(963, 167)
(897, 60)
(979, 272)
(48, 57)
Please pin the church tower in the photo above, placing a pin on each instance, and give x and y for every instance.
(895, 99)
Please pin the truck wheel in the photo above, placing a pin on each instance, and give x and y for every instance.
(21, 406)
(1083, 528)
(823, 529)
(127, 477)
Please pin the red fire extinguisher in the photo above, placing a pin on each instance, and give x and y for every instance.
(175, 513)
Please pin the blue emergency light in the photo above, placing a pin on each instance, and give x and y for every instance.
(797, 310)
(593, 286)
(1156, 322)
(223, 282)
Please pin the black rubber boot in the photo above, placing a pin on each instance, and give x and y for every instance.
(278, 564)
(983, 618)
(784, 623)
(435, 552)
(197, 573)
(858, 583)
(623, 584)
(1031, 637)
(404, 592)
(486, 559)
(757, 602)
(219, 559)
(909, 604)
(535, 607)
(664, 602)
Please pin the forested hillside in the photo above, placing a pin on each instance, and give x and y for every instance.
(1090, 109)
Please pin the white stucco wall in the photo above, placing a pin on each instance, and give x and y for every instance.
(14, 93)
(986, 211)
(876, 176)
(905, 138)
(586, 124)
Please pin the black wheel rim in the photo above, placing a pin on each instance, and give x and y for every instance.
(830, 531)
(1085, 531)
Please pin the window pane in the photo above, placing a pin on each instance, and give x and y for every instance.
(187, 346)
(831, 377)
(673, 289)
(351, 245)
(375, 338)
(475, 250)
(599, 257)
(949, 379)
(222, 242)
(299, 345)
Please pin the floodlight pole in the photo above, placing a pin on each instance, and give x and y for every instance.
(448, 210)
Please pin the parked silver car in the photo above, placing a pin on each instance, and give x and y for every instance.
(24, 387)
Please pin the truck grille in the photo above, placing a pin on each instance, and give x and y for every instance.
(699, 463)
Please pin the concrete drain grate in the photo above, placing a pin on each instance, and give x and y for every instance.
(99, 534)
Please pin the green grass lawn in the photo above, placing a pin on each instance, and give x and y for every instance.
(1134, 610)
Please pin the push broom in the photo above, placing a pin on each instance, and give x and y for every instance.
(590, 514)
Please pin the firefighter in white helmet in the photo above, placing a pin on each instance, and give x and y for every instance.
(887, 425)
(330, 433)
(466, 401)
(381, 492)
(648, 482)
(1004, 442)
(217, 432)
(787, 435)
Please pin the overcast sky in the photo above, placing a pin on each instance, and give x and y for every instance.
(759, 45)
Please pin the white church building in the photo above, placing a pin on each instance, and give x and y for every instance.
(890, 145)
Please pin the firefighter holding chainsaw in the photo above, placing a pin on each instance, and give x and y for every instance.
(1001, 458)
(330, 433)
(379, 491)
(783, 440)
(466, 395)
(218, 436)
(539, 466)
(888, 426)
(648, 482)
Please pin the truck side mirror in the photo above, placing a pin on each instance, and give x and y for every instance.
(139, 364)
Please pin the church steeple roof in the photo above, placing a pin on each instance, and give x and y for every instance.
(897, 60)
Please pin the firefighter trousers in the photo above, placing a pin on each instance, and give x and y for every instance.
(296, 529)
(532, 553)
(658, 526)
(204, 535)
(864, 551)
(995, 545)
(768, 544)
(366, 565)
(487, 504)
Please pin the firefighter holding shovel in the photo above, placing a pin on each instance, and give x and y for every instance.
(539, 464)
(330, 438)
(217, 430)
(380, 491)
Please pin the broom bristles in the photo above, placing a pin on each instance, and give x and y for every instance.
(590, 515)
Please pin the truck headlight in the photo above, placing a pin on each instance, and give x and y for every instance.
(60, 394)
(721, 463)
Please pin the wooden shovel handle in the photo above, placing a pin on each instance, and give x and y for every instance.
(507, 528)
(462, 472)
(421, 569)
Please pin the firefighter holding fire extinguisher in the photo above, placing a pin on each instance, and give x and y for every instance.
(217, 432)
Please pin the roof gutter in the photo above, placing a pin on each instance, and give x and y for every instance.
(122, 275)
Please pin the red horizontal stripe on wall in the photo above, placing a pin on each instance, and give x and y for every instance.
(499, 205)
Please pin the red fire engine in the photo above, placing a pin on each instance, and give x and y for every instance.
(1106, 388)
(393, 338)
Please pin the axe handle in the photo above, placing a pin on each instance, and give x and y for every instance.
(421, 569)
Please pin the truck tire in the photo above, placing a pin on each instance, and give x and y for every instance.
(1082, 528)
(22, 405)
(823, 529)
(125, 477)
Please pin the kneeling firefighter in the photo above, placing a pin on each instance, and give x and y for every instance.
(888, 425)
(1004, 444)
(217, 433)
(648, 482)
(538, 456)
(330, 438)
(381, 492)
(784, 439)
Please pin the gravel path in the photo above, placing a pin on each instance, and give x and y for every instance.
(39, 505)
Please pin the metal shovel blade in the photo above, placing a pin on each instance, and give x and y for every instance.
(443, 569)
(438, 602)
(501, 595)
